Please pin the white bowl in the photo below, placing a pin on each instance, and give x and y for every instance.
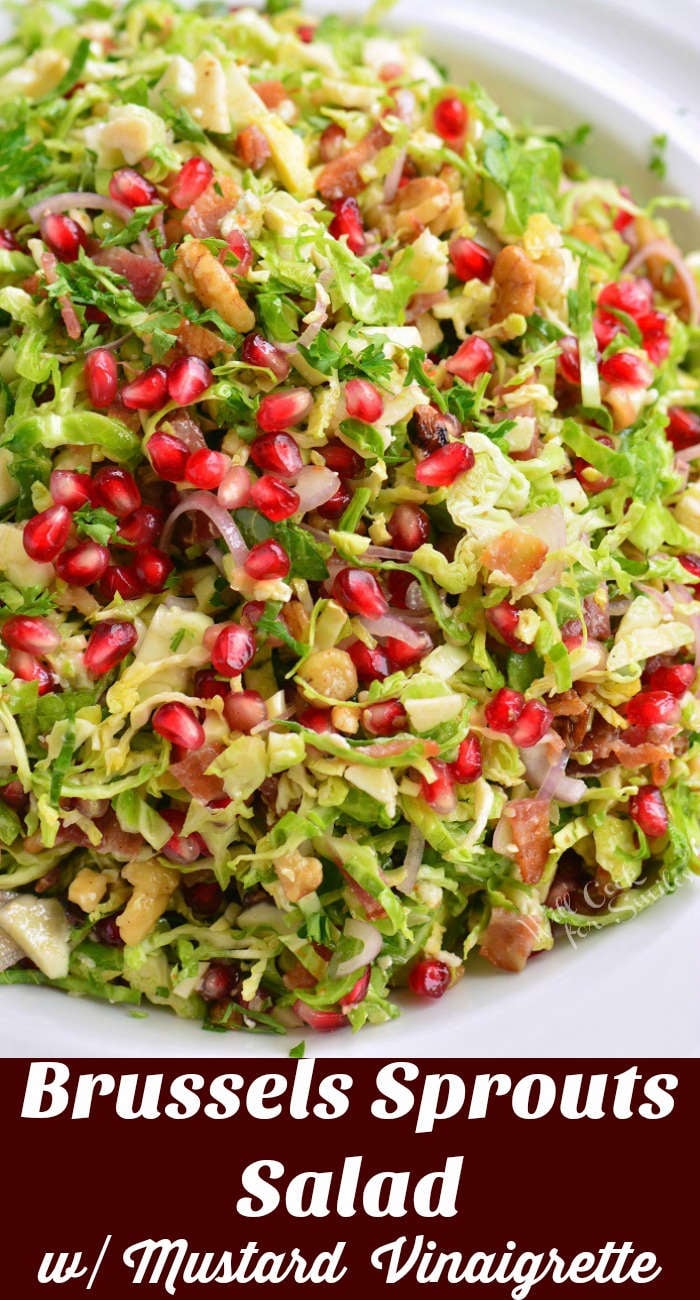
(631, 73)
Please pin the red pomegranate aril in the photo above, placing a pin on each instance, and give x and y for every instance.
(109, 643)
(143, 527)
(504, 619)
(683, 427)
(305, 32)
(342, 459)
(69, 488)
(83, 564)
(251, 614)
(440, 793)
(206, 468)
(232, 650)
(28, 669)
(336, 505)
(219, 982)
(187, 379)
(648, 810)
(472, 359)
(276, 453)
(107, 931)
(116, 490)
(470, 260)
(168, 456)
(623, 219)
(468, 764)
(443, 466)
(244, 710)
(358, 592)
(234, 488)
(119, 580)
(569, 363)
(101, 377)
(398, 584)
(242, 250)
(191, 181)
(318, 720)
(8, 241)
(625, 370)
(45, 534)
(63, 235)
(178, 724)
(94, 316)
(181, 848)
(273, 498)
(402, 655)
(651, 708)
(656, 340)
(450, 118)
(332, 142)
(504, 709)
(148, 392)
(384, 718)
(258, 351)
(207, 686)
(673, 680)
(691, 563)
(347, 222)
(635, 297)
(429, 978)
(37, 635)
(152, 568)
(128, 186)
(363, 401)
(372, 665)
(267, 560)
(534, 723)
(358, 992)
(14, 795)
(277, 411)
(205, 898)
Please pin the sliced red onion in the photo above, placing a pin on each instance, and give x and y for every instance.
(185, 428)
(315, 485)
(415, 600)
(87, 200)
(387, 553)
(371, 941)
(389, 625)
(413, 860)
(207, 503)
(393, 176)
(663, 599)
(689, 453)
(69, 315)
(664, 248)
(422, 302)
(618, 607)
(546, 772)
(404, 106)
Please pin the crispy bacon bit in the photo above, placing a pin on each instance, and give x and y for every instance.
(515, 553)
(198, 341)
(143, 274)
(252, 147)
(190, 773)
(272, 93)
(508, 939)
(370, 905)
(203, 218)
(529, 825)
(340, 179)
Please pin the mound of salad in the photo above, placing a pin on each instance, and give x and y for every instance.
(349, 522)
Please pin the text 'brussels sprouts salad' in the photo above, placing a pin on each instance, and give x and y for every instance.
(350, 530)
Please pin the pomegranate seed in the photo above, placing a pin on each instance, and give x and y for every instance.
(14, 796)
(205, 898)
(371, 665)
(131, 188)
(331, 143)
(94, 316)
(634, 297)
(273, 498)
(649, 708)
(623, 219)
(468, 765)
(267, 560)
(358, 992)
(181, 848)
(691, 563)
(168, 456)
(83, 564)
(47, 533)
(674, 680)
(398, 584)
(336, 505)
(683, 427)
(504, 709)
(363, 401)
(402, 655)
(241, 247)
(115, 489)
(219, 982)
(534, 723)
(107, 931)
(655, 336)
(119, 580)
(109, 643)
(648, 810)
(101, 377)
(28, 669)
(244, 710)
(347, 222)
(443, 466)
(277, 411)
(233, 650)
(358, 592)
(258, 351)
(471, 261)
(318, 720)
(36, 635)
(591, 480)
(276, 452)
(385, 718)
(8, 241)
(207, 469)
(252, 612)
(142, 527)
(342, 459)
(70, 489)
(178, 724)
(152, 568)
(306, 33)
(63, 235)
(234, 488)
(625, 370)
(440, 792)
(207, 686)
(450, 118)
(252, 147)
(569, 363)
(472, 359)
(191, 181)
(187, 380)
(504, 619)
(429, 979)
(148, 392)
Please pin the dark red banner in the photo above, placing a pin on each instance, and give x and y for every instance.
(511, 1178)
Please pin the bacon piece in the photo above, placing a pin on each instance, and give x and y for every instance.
(144, 275)
(529, 826)
(252, 147)
(190, 771)
(299, 978)
(198, 341)
(203, 218)
(508, 939)
(272, 93)
(370, 905)
(341, 179)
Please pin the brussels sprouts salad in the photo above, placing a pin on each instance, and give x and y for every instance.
(349, 522)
